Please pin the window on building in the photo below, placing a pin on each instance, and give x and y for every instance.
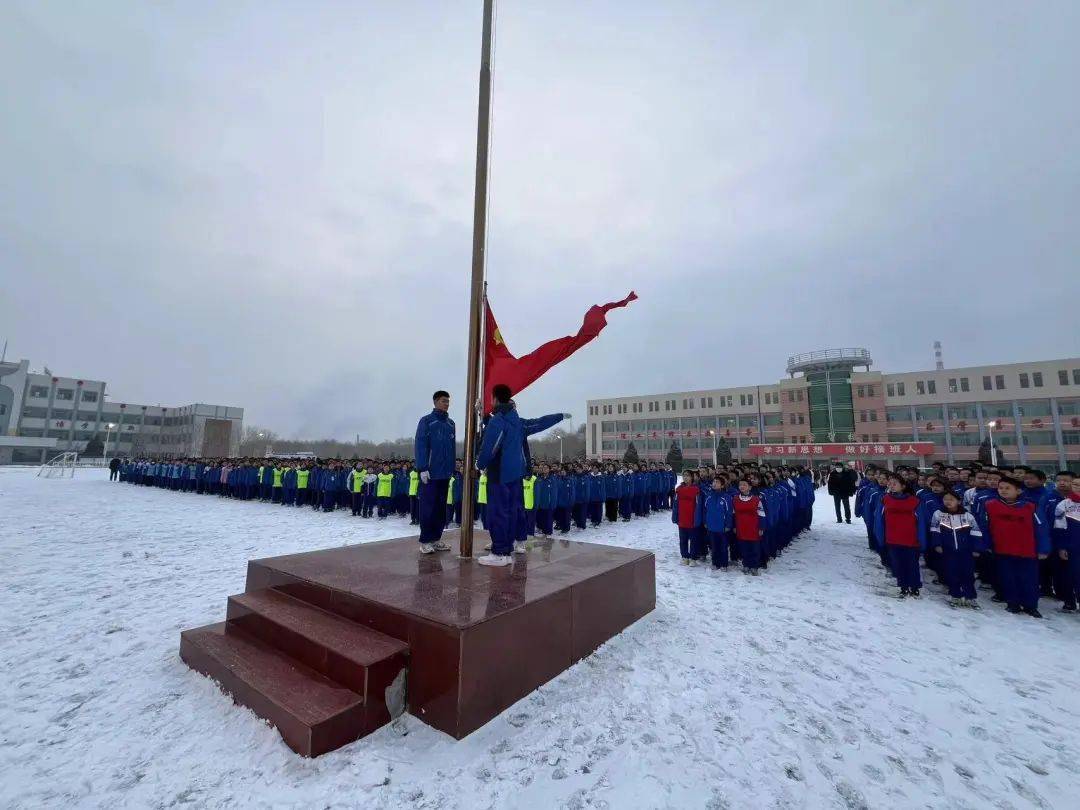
(65, 393)
(749, 399)
(1063, 377)
(710, 401)
(730, 401)
(964, 386)
(953, 387)
(1076, 376)
(742, 399)
(900, 389)
(791, 419)
(987, 383)
(862, 416)
(30, 412)
(3, 409)
(920, 387)
(875, 437)
(890, 389)
(860, 391)
(873, 416)
(931, 386)
(799, 395)
(1036, 378)
(39, 391)
(89, 396)
(866, 437)
(1024, 382)
(999, 382)
(802, 419)
(870, 391)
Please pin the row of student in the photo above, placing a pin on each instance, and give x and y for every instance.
(559, 496)
(1001, 526)
(741, 513)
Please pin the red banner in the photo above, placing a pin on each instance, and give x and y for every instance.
(859, 449)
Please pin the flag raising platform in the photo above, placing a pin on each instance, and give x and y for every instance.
(330, 645)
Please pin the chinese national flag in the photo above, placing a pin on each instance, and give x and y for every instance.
(500, 366)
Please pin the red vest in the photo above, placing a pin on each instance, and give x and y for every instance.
(686, 505)
(747, 520)
(901, 525)
(1012, 527)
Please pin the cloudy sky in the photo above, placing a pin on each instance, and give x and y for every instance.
(269, 204)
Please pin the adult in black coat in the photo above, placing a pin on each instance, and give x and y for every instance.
(842, 483)
(114, 468)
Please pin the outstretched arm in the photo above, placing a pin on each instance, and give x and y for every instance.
(532, 426)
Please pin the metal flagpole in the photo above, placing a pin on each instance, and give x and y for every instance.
(473, 393)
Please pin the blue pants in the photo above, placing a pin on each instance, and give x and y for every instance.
(579, 514)
(624, 507)
(502, 515)
(905, 566)
(530, 522)
(718, 545)
(959, 568)
(596, 512)
(431, 509)
(1019, 580)
(329, 500)
(688, 543)
(385, 505)
(414, 507)
(751, 553)
(562, 518)
(544, 521)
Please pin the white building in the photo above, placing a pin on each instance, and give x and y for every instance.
(42, 415)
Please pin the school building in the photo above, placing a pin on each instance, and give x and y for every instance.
(833, 405)
(43, 415)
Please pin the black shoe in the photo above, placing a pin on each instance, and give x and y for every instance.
(996, 598)
(1033, 613)
(1014, 609)
(838, 520)
(849, 520)
(915, 593)
(1068, 608)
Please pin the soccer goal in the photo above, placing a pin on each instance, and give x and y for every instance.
(63, 466)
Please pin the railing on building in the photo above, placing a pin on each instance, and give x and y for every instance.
(853, 356)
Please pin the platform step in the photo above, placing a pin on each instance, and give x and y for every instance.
(313, 713)
(355, 656)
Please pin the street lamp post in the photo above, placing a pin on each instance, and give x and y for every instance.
(993, 450)
(108, 432)
(712, 437)
(560, 448)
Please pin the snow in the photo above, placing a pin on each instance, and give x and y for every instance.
(806, 687)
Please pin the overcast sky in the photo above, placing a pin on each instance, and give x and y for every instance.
(269, 204)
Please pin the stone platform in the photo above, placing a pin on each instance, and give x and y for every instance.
(330, 645)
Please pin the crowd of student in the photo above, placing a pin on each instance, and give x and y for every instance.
(743, 512)
(1007, 528)
(556, 497)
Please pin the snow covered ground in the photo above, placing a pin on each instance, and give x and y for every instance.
(806, 687)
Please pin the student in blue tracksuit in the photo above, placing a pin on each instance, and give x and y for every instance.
(596, 497)
(955, 535)
(331, 484)
(625, 487)
(930, 500)
(581, 496)
(503, 456)
(434, 459)
(564, 500)
(545, 497)
(718, 523)
(288, 484)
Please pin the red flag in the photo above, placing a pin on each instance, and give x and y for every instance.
(500, 366)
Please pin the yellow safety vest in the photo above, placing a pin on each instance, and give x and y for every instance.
(414, 483)
(450, 493)
(386, 484)
(277, 476)
(527, 485)
(481, 495)
(301, 478)
(358, 480)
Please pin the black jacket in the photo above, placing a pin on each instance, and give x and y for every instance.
(843, 483)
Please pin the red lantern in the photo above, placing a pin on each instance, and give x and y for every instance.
(962, 425)
(78, 382)
(1075, 421)
(122, 407)
(929, 425)
(56, 379)
(1037, 423)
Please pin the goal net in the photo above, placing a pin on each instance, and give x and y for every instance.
(63, 466)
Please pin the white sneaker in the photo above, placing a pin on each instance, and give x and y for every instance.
(440, 546)
(427, 548)
(521, 547)
(494, 559)
(487, 547)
